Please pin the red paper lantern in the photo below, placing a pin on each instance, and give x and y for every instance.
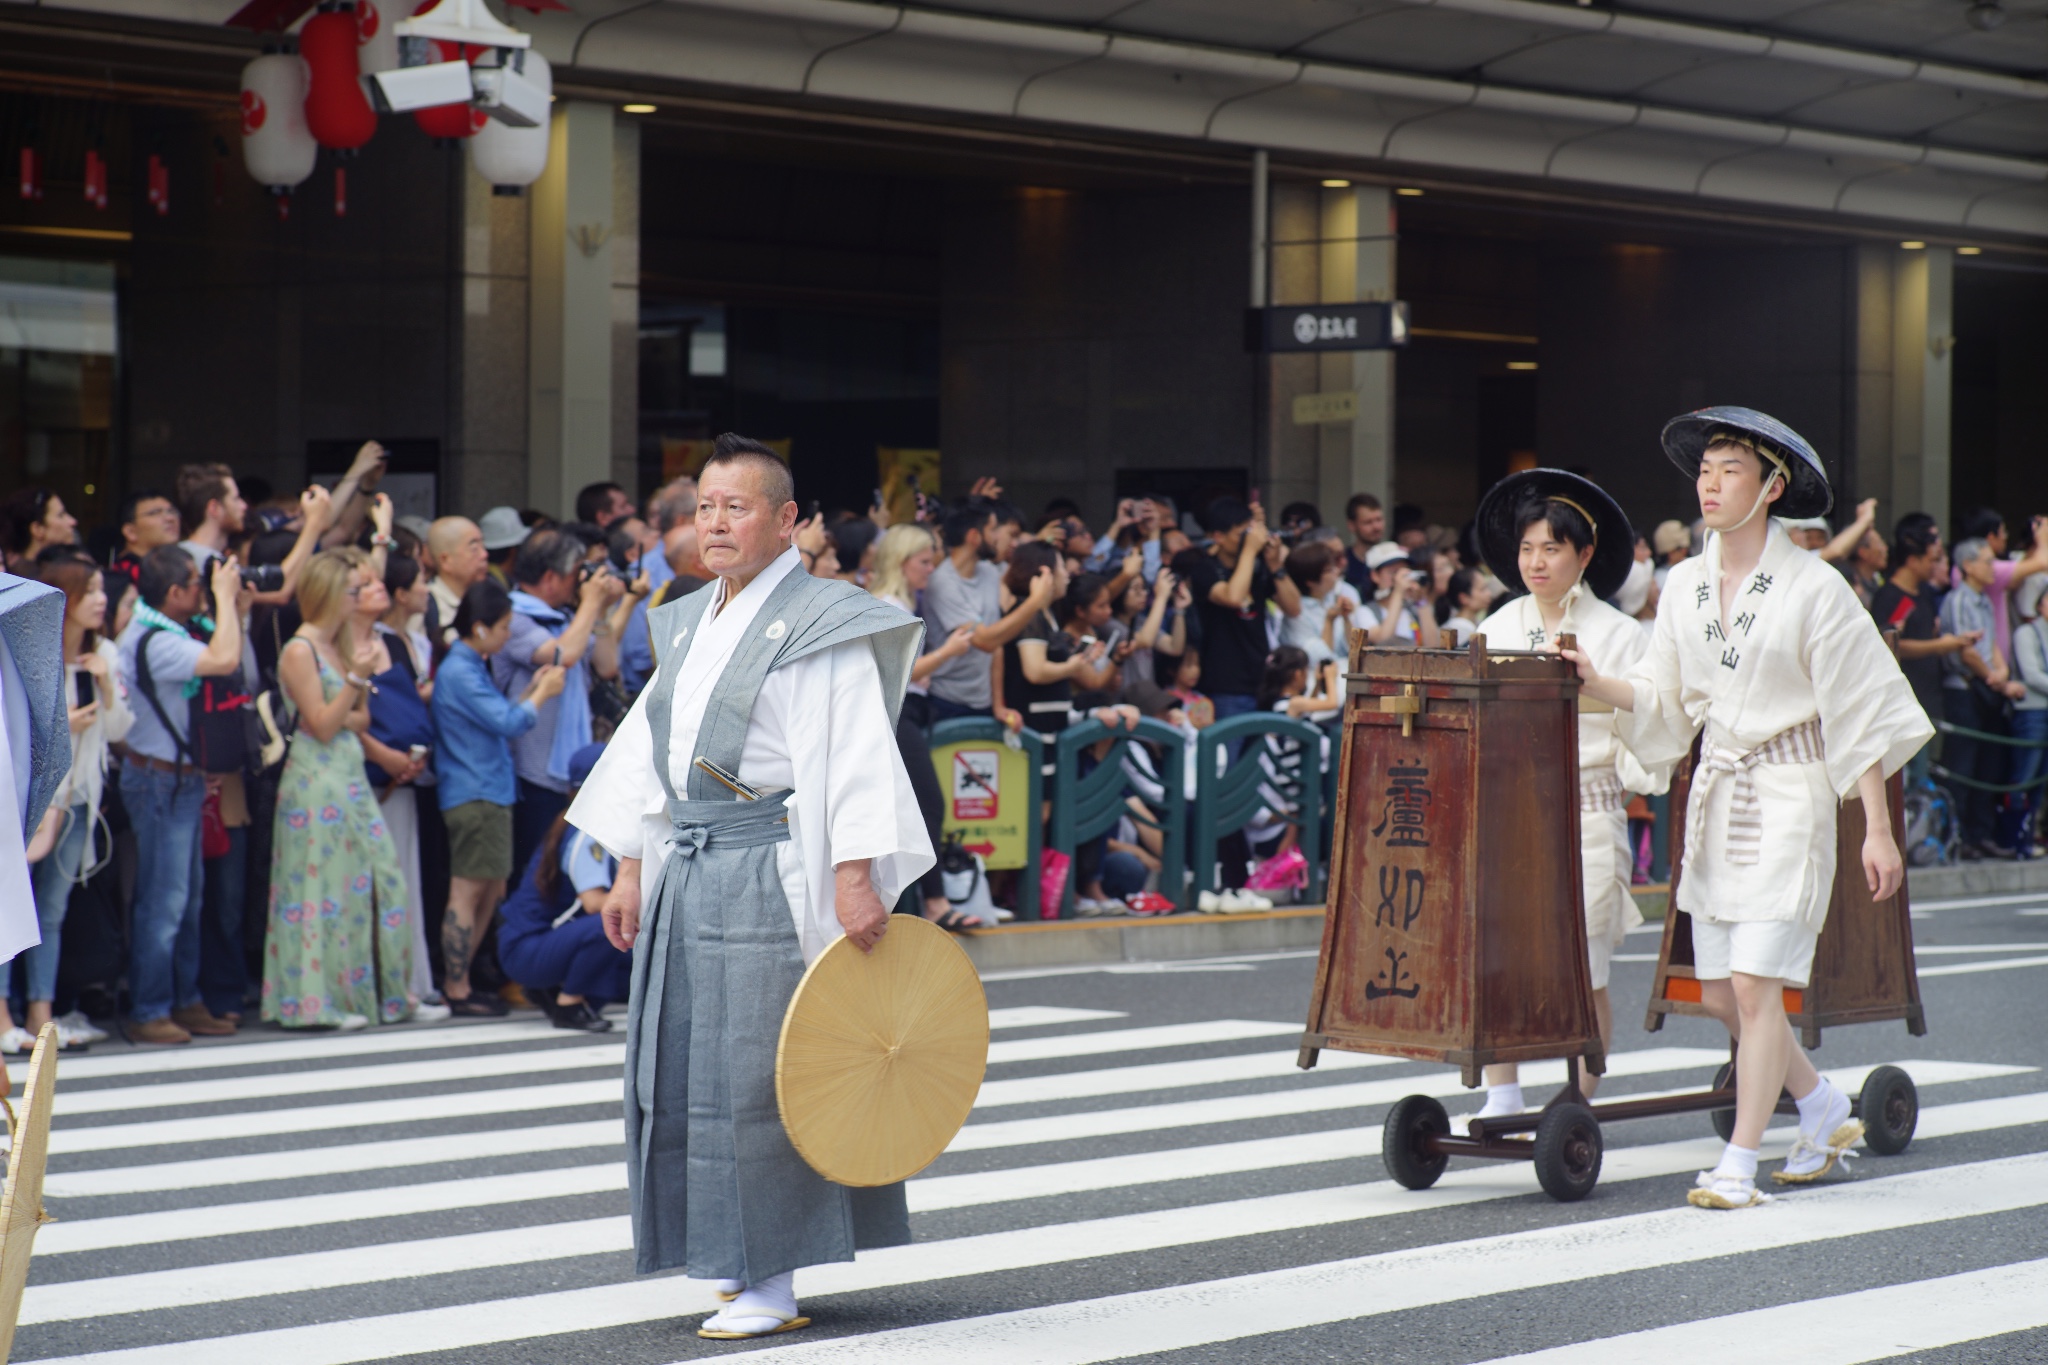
(449, 120)
(337, 113)
(95, 180)
(159, 185)
(341, 192)
(31, 174)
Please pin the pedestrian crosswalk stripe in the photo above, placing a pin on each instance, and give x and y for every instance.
(1847, 1329)
(391, 1154)
(1037, 1016)
(2000, 965)
(241, 1089)
(202, 1056)
(308, 1210)
(1849, 1079)
(1125, 1080)
(1175, 1317)
(1136, 1039)
(1207, 1312)
(331, 1118)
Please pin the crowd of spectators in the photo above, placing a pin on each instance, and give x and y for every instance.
(321, 754)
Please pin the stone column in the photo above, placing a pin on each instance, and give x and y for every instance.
(486, 462)
(574, 260)
(1358, 267)
(1904, 336)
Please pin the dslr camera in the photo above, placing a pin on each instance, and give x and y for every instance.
(262, 577)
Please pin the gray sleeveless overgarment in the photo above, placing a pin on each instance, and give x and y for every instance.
(715, 1185)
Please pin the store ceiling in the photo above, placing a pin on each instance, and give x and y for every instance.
(1910, 113)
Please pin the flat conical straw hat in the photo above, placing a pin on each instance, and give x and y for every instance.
(21, 1206)
(882, 1054)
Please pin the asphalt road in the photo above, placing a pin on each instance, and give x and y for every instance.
(1146, 1178)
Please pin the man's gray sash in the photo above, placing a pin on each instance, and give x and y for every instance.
(715, 1185)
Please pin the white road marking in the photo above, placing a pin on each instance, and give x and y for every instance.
(1302, 1297)
(1980, 902)
(1130, 1080)
(920, 1263)
(1957, 949)
(1873, 1324)
(1034, 1016)
(1183, 1316)
(1137, 1039)
(2000, 965)
(206, 1056)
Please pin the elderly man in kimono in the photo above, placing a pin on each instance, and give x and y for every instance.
(1764, 647)
(1561, 543)
(759, 808)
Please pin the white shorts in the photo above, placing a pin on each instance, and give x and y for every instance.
(1768, 948)
(1599, 951)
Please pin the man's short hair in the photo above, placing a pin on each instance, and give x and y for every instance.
(133, 500)
(1970, 551)
(1981, 524)
(1360, 500)
(594, 498)
(545, 552)
(1407, 517)
(1007, 513)
(164, 568)
(1915, 535)
(673, 503)
(1225, 514)
(969, 514)
(776, 481)
(198, 485)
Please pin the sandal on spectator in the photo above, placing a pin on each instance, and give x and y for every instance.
(477, 1006)
(953, 921)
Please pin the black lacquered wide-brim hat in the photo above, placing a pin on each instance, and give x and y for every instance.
(1686, 439)
(1614, 540)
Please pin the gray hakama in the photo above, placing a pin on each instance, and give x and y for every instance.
(716, 1187)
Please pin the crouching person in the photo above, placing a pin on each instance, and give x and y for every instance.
(550, 937)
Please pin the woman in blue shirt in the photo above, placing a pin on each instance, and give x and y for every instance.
(550, 936)
(473, 765)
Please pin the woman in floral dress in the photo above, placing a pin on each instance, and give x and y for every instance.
(340, 946)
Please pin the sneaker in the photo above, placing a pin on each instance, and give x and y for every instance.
(1149, 903)
(81, 1027)
(1004, 916)
(429, 1013)
(202, 1022)
(17, 1042)
(352, 1023)
(1209, 903)
(159, 1031)
(1712, 1190)
(1241, 902)
(579, 1016)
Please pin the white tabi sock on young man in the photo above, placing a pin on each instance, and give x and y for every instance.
(1502, 1100)
(762, 1306)
(1813, 1110)
(1826, 1131)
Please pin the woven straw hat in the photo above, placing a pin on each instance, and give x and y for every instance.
(882, 1054)
(21, 1206)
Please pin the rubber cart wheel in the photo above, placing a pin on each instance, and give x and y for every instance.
(1568, 1150)
(1889, 1105)
(1410, 1124)
(1723, 1119)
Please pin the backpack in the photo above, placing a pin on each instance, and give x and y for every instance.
(220, 732)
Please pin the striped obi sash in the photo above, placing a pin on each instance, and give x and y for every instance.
(1601, 790)
(1800, 744)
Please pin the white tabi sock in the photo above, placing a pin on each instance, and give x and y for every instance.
(1503, 1099)
(1813, 1111)
(731, 1287)
(762, 1306)
(1737, 1163)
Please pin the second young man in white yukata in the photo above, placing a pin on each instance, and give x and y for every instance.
(1765, 648)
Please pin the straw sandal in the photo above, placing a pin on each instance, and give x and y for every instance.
(1724, 1192)
(1836, 1148)
(787, 1324)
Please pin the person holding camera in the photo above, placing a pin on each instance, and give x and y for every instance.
(1398, 613)
(559, 607)
(1232, 585)
(163, 787)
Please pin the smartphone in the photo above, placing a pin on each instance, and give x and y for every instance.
(85, 692)
(812, 515)
(878, 498)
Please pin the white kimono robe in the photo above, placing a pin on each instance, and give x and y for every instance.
(1798, 647)
(1615, 642)
(819, 729)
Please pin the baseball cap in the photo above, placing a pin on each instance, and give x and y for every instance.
(1384, 553)
(582, 761)
(1669, 536)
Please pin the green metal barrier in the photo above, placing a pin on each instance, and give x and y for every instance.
(1227, 803)
(980, 729)
(1086, 806)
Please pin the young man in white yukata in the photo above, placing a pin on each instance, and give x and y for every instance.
(1565, 546)
(1765, 647)
(790, 685)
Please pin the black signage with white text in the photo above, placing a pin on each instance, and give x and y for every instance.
(1327, 327)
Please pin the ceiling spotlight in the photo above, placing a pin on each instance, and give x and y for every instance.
(637, 108)
(1969, 251)
(1409, 192)
(1521, 364)
(1336, 184)
(1912, 246)
(1985, 15)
